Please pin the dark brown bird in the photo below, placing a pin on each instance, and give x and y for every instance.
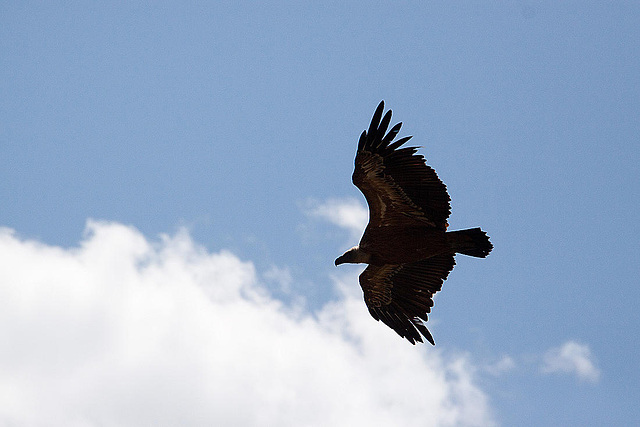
(406, 243)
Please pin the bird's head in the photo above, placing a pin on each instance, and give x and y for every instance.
(352, 256)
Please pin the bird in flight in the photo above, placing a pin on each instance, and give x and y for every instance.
(406, 243)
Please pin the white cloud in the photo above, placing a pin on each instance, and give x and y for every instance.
(502, 366)
(349, 214)
(280, 276)
(571, 358)
(123, 331)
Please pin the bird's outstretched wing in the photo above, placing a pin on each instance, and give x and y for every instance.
(398, 185)
(402, 295)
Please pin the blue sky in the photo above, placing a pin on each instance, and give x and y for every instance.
(230, 129)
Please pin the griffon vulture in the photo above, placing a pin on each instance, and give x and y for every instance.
(406, 243)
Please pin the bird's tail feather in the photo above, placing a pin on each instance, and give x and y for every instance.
(472, 241)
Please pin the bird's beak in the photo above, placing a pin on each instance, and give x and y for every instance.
(339, 260)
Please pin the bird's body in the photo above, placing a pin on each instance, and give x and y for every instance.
(406, 243)
(418, 242)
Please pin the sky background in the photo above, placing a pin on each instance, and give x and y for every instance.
(175, 184)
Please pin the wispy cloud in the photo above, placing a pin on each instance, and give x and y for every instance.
(571, 358)
(281, 276)
(349, 214)
(125, 331)
(502, 366)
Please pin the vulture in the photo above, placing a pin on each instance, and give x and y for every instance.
(406, 243)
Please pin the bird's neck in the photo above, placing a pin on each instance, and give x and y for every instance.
(360, 256)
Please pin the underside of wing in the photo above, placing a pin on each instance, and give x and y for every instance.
(401, 296)
(398, 185)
